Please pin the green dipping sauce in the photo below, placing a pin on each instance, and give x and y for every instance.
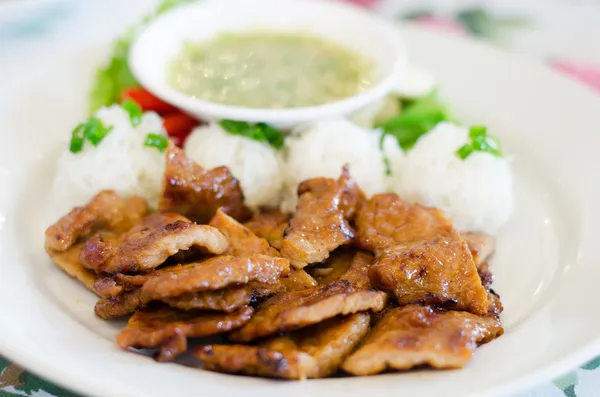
(270, 70)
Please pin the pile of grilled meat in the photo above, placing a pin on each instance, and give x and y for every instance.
(344, 284)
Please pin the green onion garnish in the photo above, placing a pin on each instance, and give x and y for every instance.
(386, 160)
(260, 132)
(465, 151)
(134, 110)
(157, 141)
(480, 142)
(92, 130)
(416, 118)
(77, 139)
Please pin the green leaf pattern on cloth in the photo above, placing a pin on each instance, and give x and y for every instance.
(15, 381)
(568, 383)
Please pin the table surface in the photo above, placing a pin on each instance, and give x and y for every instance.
(562, 33)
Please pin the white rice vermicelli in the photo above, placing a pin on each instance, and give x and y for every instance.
(322, 149)
(120, 162)
(255, 164)
(476, 193)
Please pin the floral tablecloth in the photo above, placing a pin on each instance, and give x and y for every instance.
(563, 33)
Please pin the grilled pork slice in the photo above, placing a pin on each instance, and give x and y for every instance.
(154, 326)
(315, 352)
(115, 284)
(215, 274)
(294, 310)
(410, 336)
(149, 244)
(386, 221)
(226, 300)
(245, 242)
(286, 362)
(107, 286)
(270, 225)
(320, 224)
(68, 261)
(297, 280)
(439, 272)
(358, 271)
(242, 240)
(124, 304)
(418, 255)
(198, 193)
(334, 267)
(105, 211)
(172, 348)
(232, 298)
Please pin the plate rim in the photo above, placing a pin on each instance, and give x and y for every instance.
(59, 375)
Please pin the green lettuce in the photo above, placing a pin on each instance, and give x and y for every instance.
(115, 77)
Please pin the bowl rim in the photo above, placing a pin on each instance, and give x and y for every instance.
(282, 117)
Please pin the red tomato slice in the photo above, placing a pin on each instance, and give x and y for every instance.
(178, 126)
(147, 101)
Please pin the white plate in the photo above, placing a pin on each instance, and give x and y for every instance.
(547, 263)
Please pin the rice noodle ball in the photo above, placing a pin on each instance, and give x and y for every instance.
(322, 149)
(476, 193)
(255, 164)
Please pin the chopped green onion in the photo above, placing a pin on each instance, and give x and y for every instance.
(157, 141)
(480, 142)
(115, 76)
(77, 139)
(273, 135)
(235, 127)
(416, 118)
(134, 110)
(465, 151)
(260, 132)
(477, 132)
(92, 130)
(386, 160)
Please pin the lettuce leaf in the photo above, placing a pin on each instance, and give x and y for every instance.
(115, 77)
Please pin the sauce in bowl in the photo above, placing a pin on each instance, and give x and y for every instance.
(270, 70)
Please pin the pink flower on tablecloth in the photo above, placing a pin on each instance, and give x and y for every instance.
(587, 74)
(364, 3)
(443, 24)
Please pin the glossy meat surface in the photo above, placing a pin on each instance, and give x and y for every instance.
(149, 244)
(216, 273)
(242, 240)
(270, 225)
(386, 221)
(358, 271)
(105, 211)
(334, 267)
(198, 193)
(122, 305)
(294, 310)
(320, 223)
(68, 261)
(154, 326)
(412, 336)
(226, 300)
(315, 352)
(438, 272)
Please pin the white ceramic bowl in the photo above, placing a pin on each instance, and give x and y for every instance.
(378, 40)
